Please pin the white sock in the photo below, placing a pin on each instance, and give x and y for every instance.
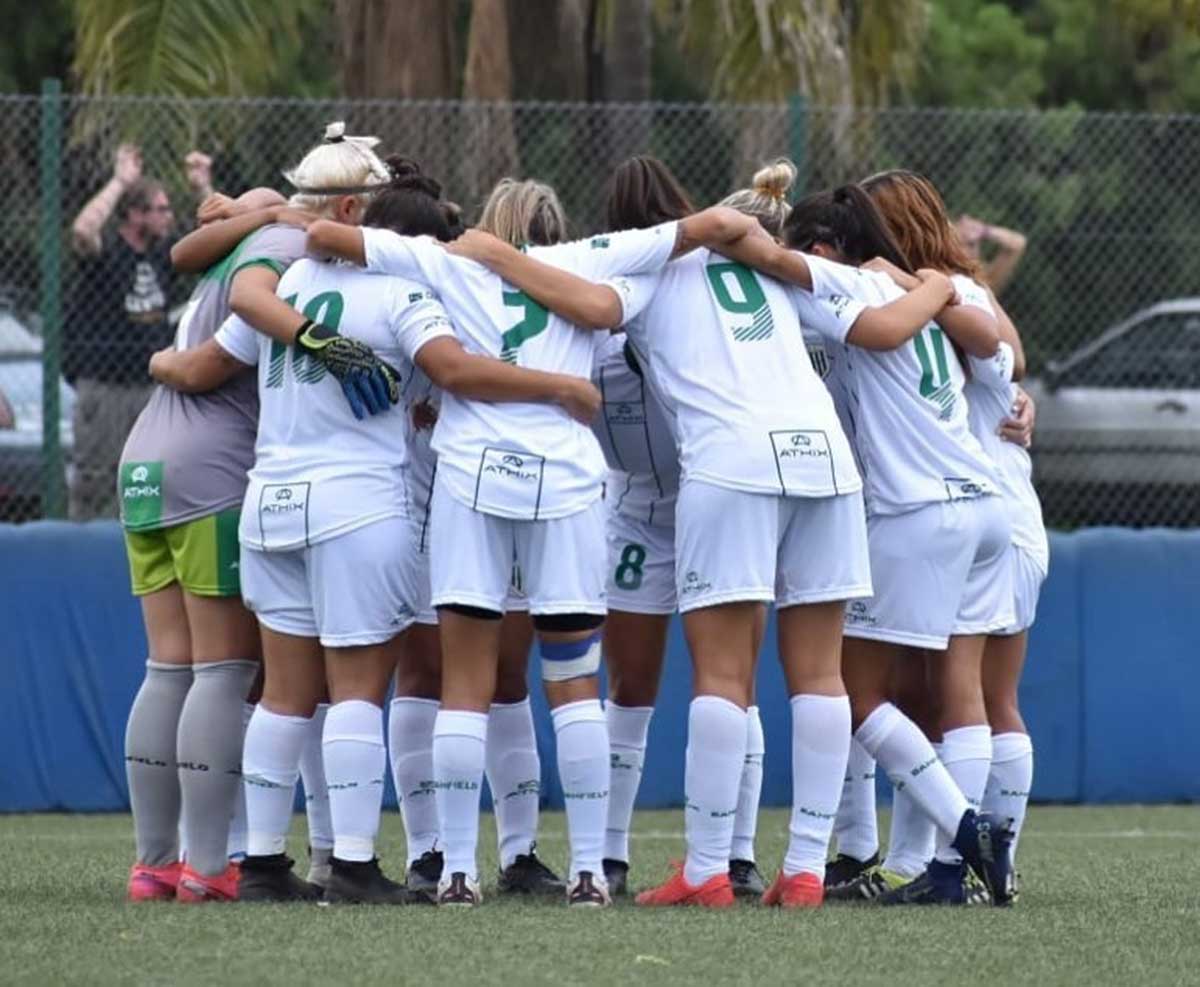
(857, 825)
(410, 742)
(583, 769)
(316, 791)
(967, 754)
(912, 837)
(715, 758)
(900, 748)
(1010, 780)
(514, 774)
(627, 728)
(820, 749)
(745, 823)
(459, 738)
(270, 767)
(355, 760)
(236, 848)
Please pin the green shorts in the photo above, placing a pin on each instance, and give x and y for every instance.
(200, 555)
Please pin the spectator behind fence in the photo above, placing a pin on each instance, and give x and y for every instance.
(118, 317)
(1007, 248)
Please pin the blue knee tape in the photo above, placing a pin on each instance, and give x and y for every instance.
(563, 660)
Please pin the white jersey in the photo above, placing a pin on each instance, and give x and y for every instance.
(420, 397)
(726, 351)
(636, 431)
(990, 395)
(518, 460)
(906, 406)
(318, 471)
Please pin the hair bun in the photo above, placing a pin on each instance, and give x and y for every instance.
(774, 180)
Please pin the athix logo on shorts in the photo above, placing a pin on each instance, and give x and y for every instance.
(284, 502)
(800, 446)
(511, 467)
(283, 493)
(693, 582)
(625, 413)
(858, 613)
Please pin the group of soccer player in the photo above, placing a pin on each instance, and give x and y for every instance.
(459, 441)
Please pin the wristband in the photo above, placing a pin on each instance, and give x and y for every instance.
(304, 327)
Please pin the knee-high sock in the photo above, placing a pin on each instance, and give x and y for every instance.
(209, 749)
(583, 770)
(900, 748)
(316, 789)
(911, 838)
(1010, 780)
(270, 768)
(355, 761)
(715, 759)
(856, 828)
(514, 774)
(627, 728)
(458, 756)
(410, 743)
(745, 822)
(237, 827)
(967, 754)
(150, 737)
(820, 748)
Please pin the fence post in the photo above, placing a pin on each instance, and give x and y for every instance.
(51, 296)
(798, 129)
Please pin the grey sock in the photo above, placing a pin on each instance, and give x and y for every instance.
(211, 728)
(150, 761)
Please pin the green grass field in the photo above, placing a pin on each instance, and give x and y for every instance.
(1109, 896)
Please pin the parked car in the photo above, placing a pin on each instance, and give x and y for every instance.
(21, 473)
(1118, 423)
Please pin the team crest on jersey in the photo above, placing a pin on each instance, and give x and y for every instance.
(601, 243)
(818, 356)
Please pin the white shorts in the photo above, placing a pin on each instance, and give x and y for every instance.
(942, 569)
(641, 565)
(355, 589)
(733, 546)
(1028, 576)
(562, 561)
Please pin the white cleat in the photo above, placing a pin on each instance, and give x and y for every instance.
(459, 891)
(588, 890)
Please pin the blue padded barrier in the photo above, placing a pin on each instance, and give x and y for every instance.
(1109, 691)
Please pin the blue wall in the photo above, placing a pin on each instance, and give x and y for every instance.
(1110, 690)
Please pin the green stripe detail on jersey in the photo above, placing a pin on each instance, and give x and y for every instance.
(727, 277)
(268, 262)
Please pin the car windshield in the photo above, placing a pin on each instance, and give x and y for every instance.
(1162, 352)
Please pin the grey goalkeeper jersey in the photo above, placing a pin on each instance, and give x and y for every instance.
(188, 454)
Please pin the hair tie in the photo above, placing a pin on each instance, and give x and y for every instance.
(770, 193)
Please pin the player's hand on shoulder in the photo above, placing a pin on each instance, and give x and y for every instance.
(479, 246)
(217, 206)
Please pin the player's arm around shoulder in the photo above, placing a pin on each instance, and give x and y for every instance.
(197, 370)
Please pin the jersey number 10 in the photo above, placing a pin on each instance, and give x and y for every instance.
(325, 308)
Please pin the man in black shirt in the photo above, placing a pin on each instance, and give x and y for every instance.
(118, 318)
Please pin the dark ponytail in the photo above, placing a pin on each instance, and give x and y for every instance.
(410, 204)
(642, 193)
(847, 219)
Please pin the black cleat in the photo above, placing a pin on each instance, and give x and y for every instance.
(845, 869)
(424, 874)
(746, 880)
(271, 878)
(616, 874)
(361, 882)
(458, 891)
(528, 875)
(941, 884)
(983, 840)
(871, 885)
(586, 892)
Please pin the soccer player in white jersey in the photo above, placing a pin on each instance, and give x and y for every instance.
(326, 507)
(515, 478)
(938, 532)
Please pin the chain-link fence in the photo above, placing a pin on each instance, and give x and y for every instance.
(1102, 298)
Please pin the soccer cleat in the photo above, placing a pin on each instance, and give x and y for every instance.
(361, 882)
(194, 888)
(320, 870)
(746, 879)
(459, 891)
(975, 890)
(153, 883)
(803, 890)
(616, 875)
(941, 884)
(1014, 886)
(588, 891)
(271, 878)
(716, 892)
(424, 874)
(528, 875)
(983, 840)
(845, 869)
(868, 886)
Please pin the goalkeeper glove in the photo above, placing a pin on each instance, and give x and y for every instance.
(371, 385)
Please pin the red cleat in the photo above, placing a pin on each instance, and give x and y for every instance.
(803, 890)
(194, 888)
(153, 883)
(716, 892)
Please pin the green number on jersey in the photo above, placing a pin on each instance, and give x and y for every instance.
(726, 277)
(326, 308)
(534, 322)
(935, 371)
(629, 568)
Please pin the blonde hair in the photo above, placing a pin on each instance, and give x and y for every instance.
(766, 198)
(524, 212)
(341, 165)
